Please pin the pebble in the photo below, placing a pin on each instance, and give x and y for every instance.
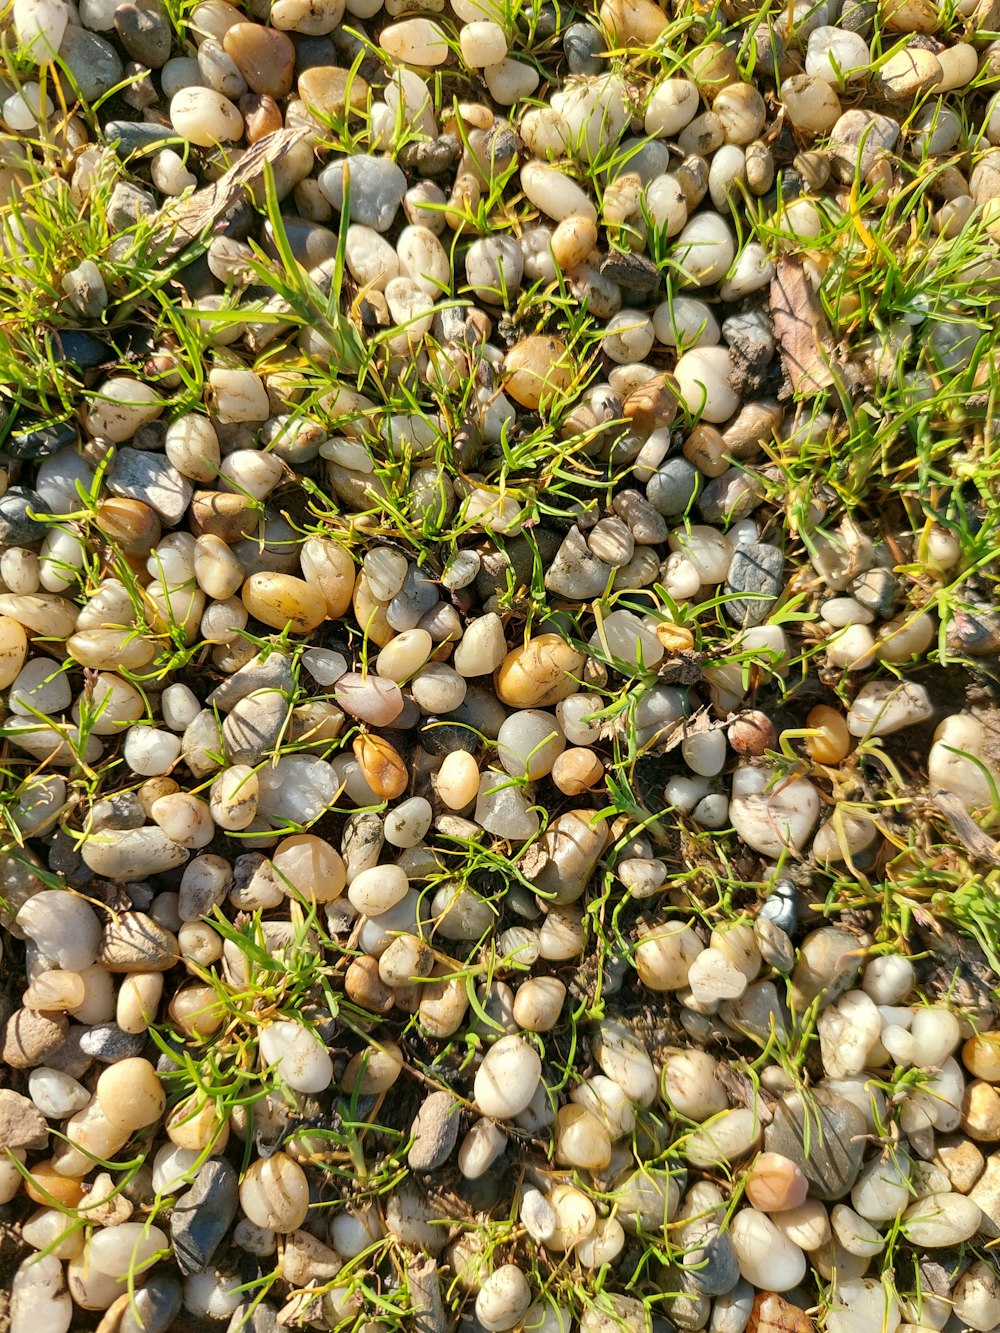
(300, 1060)
(22, 1123)
(434, 1132)
(835, 1132)
(202, 1216)
(507, 1078)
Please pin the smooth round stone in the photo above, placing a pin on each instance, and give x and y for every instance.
(704, 380)
(482, 43)
(264, 56)
(56, 1094)
(771, 818)
(130, 1094)
(17, 527)
(941, 1220)
(205, 117)
(529, 742)
(64, 928)
(281, 600)
(664, 955)
(130, 1247)
(767, 1259)
(503, 809)
(507, 1078)
(881, 1191)
(378, 889)
(302, 1061)
(538, 370)
(503, 1299)
(275, 1193)
(369, 698)
(482, 647)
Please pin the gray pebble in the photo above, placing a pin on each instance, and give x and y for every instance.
(107, 1043)
(583, 45)
(128, 137)
(273, 672)
(647, 526)
(877, 590)
(825, 1137)
(17, 528)
(672, 487)
(127, 204)
(254, 726)
(758, 569)
(732, 496)
(154, 1307)
(93, 62)
(202, 1216)
(144, 31)
(575, 572)
(136, 475)
(376, 189)
(415, 598)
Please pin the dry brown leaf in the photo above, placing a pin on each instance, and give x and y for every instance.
(802, 329)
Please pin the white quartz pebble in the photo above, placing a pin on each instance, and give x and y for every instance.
(301, 1059)
(766, 1258)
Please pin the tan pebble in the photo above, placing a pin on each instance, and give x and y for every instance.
(675, 638)
(576, 771)
(365, 987)
(197, 1123)
(771, 1313)
(633, 22)
(278, 600)
(45, 1185)
(539, 673)
(330, 90)
(775, 1184)
(197, 1011)
(910, 16)
(537, 370)
(327, 566)
(370, 613)
(832, 741)
(457, 780)
(138, 1001)
(131, 1094)
(572, 241)
(981, 1056)
(382, 766)
(310, 868)
(373, 1070)
(981, 1112)
(231, 517)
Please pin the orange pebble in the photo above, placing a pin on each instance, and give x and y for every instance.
(46, 1186)
(577, 770)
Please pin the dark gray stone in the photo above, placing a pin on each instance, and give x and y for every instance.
(107, 1043)
(782, 906)
(127, 204)
(712, 1267)
(154, 1307)
(824, 1135)
(129, 137)
(138, 475)
(759, 570)
(144, 31)
(878, 591)
(672, 487)
(93, 62)
(40, 441)
(376, 189)
(17, 527)
(583, 46)
(202, 1216)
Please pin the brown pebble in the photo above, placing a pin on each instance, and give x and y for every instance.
(539, 673)
(771, 1313)
(30, 1037)
(22, 1125)
(576, 771)
(231, 517)
(981, 1056)
(150, 792)
(264, 56)
(261, 116)
(131, 525)
(652, 405)
(832, 741)
(365, 987)
(381, 766)
(752, 733)
(706, 449)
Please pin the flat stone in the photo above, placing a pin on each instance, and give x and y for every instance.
(858, 140)
(107, 1043)
(254, 726)
(435, 1132)
(144, 31)
(824, 1135)
(202, 1216)
(31, 1038)
(128, 137)
(22, 1124)
(273, 672)
(758, 569)
(134, 942)
(137, 475)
